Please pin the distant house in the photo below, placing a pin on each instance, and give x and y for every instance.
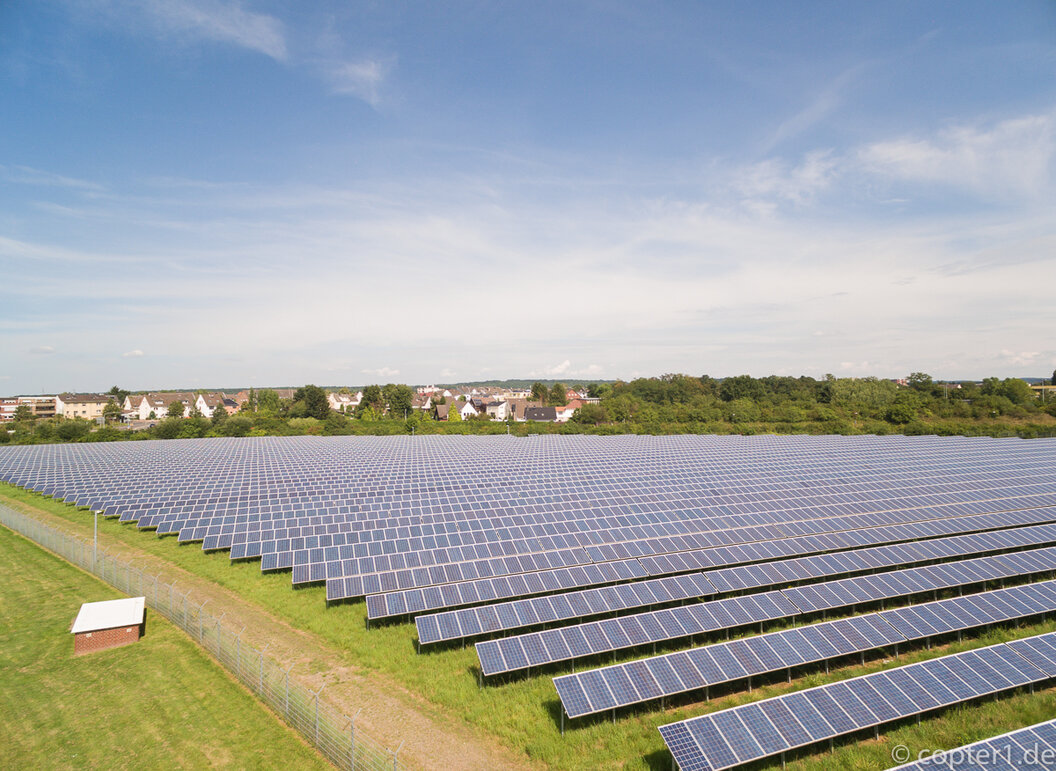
(515, 408)
(340, 402)
(88, 406)
(41, 406)
(8, 405)
(207, 404)
(283, 393)
(108, 624)
(565, 413)
(541, 414)
(465, 410)
(496, 410)
(140, 406)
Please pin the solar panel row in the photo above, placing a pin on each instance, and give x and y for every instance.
(510, 654)
(766, 728)
(599, 690)
(248, 536)
(412, 601)
(467, 622)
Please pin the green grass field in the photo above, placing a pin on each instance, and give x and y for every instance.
(523, 713)
(159, 703)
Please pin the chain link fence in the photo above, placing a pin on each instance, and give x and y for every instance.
(334, 734)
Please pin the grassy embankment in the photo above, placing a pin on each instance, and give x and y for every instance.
(523, 712)
(159, 703)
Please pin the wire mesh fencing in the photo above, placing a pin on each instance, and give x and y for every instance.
(332, 732)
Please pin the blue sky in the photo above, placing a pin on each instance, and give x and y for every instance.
(201, 193)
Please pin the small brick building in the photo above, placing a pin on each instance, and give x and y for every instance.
(108, 624)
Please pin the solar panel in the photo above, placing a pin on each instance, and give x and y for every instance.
(740, 735)
(729, 661)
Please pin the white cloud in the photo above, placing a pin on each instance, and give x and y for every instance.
(132, 354)
(5, 377)
(1027, 358)
(565, 369)
(42, 350)
(1013, 157)
(29, 176)
(382, 372)
(211, 20)
(797, 184)
(362, 79)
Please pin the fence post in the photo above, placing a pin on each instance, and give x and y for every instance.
(260, 681)
(218, 636)
(238, 654)
(352, 740)
(396, 758)
(321, 687)
(201, 632)
(287, 710)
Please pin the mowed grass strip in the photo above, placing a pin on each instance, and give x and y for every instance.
(158, 703)
(524, 712)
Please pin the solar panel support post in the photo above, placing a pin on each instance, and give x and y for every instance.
(95, 540)
(562, 722)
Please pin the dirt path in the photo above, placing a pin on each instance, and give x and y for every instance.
(388, 712)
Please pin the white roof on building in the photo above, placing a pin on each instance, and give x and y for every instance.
(109, 614)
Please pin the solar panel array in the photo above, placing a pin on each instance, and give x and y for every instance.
(375, 514)
(762, 729)
(1033, 747)
(504, 617)
(423, 524)
(510, 654)
(621, 685)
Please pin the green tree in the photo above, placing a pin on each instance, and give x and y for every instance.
(268, 401)
(73, 429)
(1053, 380)
(558, 395)
(919, 381)
(372, 398)
(590, 414)
(119, 394)
(540, 393)
(112, 412)
(175, 409)
(1016, 391)
(599, 390)
(454, 414)
(194, 412)
(238, 425)
(399, 398)
(24, 412)
(315, 401)
(219, 415)
(740, 387)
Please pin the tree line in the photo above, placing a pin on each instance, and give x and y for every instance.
(669, 404)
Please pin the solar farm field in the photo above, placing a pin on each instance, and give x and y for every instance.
(160, 703)
(605, 601)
